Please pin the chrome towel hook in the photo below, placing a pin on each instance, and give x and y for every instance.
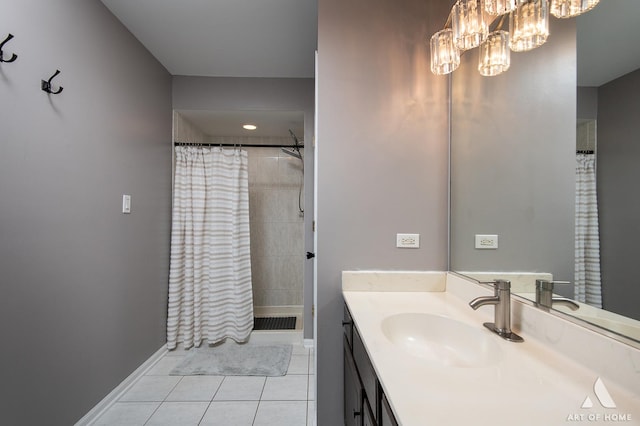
(46, 85)
(13, 56)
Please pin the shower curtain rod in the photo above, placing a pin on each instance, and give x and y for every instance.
(237, 145)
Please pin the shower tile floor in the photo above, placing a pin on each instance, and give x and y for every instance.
(160, 399)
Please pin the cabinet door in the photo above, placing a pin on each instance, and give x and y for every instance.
(368, 419)
(366, 371)
(386, 417)
(347, 326)
(352, 390)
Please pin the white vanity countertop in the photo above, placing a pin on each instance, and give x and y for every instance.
(531, 385)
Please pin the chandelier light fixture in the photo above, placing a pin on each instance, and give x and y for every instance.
(494, 54)
(445, 57)
(570, 8)
(471, 24)
(500, 7)
(529, 25)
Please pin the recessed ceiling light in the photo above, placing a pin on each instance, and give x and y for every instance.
(249, 127)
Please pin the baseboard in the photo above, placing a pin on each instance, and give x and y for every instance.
(274, 311)
(308, 343)
(123, 387)
(277, 336)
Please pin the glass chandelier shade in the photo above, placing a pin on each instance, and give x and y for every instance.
(529, 25)
(499, 7)
(468, 23)
(445, 57)
(468, 26)
(494, 54)
(571, 8)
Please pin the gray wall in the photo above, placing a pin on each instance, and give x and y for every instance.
(618, 201)
(278, 94)
(382, 157)
(587, 103)
(513, 160)
(84, 287)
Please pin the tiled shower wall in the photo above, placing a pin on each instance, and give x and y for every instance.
(277, 238)
(586, 135)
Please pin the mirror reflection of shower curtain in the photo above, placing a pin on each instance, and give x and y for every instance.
(210, 295)
(587, 245)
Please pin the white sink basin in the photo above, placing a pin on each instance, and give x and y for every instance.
(441, 339)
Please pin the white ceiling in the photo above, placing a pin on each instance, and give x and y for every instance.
(229, 123)
(278, 38)
(225, 38)
(608, 41)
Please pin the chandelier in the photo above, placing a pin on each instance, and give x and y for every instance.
(470, 22)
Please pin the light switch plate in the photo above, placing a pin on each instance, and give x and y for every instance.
(126, 204)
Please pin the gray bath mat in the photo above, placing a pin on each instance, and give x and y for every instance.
(233, 359)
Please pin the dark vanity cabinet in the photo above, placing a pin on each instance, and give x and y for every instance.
(386, 415)
(364, 402)
(352, 391)
(368, 419)
(352, 385)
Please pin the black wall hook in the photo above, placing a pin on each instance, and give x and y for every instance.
(46, 85)
(13, 56)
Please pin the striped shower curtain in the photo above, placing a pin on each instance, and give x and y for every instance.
(210, 295)
(587, 247)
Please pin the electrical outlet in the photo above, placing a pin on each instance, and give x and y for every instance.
(486, 242)
(408, 240)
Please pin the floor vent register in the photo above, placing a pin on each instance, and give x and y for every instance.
(274, 323)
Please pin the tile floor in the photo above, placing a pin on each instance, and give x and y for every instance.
(160, 399)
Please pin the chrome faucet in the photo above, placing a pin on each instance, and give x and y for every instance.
(501, 300)
(545, 297)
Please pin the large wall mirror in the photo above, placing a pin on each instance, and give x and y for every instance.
(517, 141)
